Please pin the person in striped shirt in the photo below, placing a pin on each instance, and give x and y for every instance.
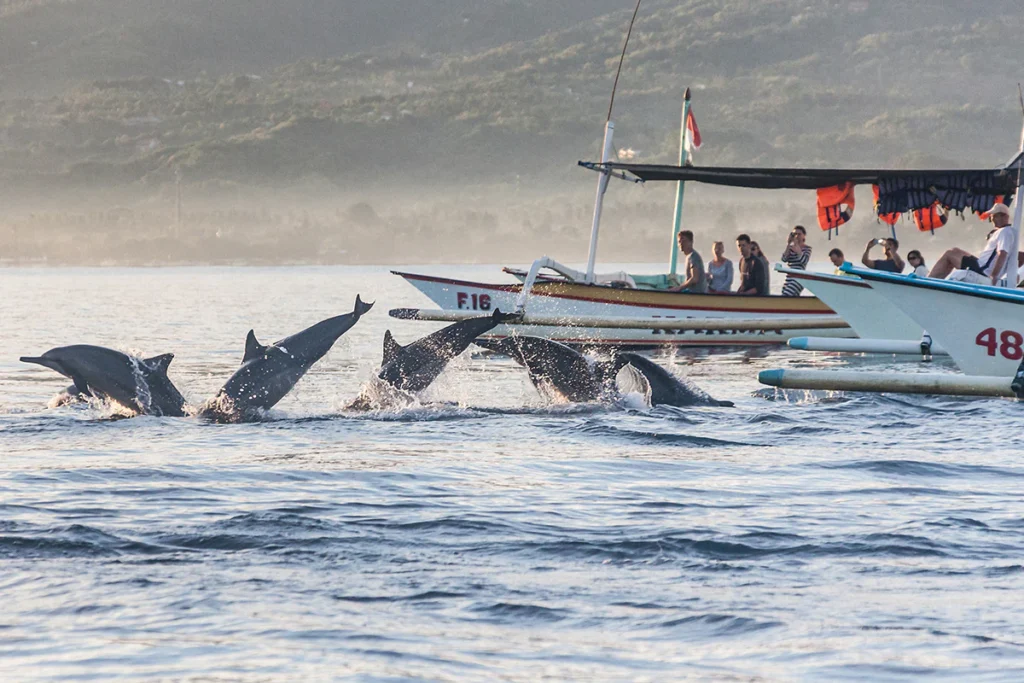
(796, 256)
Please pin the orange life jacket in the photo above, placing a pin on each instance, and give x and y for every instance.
(927, 220)
(831, 201)
(888, 218)
(985, 216)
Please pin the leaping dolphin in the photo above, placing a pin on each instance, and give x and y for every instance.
(140, 385)
(268, 373)
(665, 387)
(556, 368)
(412, 368)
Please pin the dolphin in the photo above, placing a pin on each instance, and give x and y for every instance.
(140, 385)
(665, 387)
(556, 368)
(268, 373)
(412, 368)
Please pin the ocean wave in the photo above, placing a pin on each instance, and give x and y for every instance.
(919, 468)
(504, 612)
(74, 540)
(649, 438)
(718, 625)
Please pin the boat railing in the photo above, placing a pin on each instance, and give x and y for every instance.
(571, 275)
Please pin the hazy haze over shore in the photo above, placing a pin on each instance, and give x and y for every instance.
(446, 130)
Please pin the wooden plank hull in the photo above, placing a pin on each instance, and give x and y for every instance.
(572, 299)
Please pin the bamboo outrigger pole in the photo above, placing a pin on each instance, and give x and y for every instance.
(803, 322)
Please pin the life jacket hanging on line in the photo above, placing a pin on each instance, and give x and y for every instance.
(987, 214)
(928, 219)
(887, 218)
(835, 206)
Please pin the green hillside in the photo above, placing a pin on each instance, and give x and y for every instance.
(100, 97)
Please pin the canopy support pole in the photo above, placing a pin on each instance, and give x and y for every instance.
(602, 186)
(677, 220)
(1011, 265)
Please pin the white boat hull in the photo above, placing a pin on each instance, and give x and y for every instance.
(871, 315)
(983, 333)
(558, 299)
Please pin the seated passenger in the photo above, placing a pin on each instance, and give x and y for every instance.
(892, 262)
(990, 265)
(838, 259)
(916, 262)
(719, 270)
(752, 281)
(693, 266)
(755, 249)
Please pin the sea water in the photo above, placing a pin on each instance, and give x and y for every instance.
(483, 533)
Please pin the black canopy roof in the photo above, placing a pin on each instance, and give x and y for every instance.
(995, 181)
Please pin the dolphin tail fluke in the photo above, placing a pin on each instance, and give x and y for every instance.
(391, 348)
(498, 317)
(361, 307)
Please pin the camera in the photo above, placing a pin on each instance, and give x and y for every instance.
(880, 241)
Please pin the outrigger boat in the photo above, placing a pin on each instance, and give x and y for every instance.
(580, 299)
(624, 309)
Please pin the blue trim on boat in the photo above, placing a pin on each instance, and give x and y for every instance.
(983, 291)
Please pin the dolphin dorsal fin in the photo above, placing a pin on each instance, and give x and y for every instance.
(160, 363)
(391, 348)
(253, 349)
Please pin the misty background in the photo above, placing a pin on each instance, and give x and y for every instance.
(398, 131)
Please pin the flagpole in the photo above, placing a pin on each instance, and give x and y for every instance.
(677, 220)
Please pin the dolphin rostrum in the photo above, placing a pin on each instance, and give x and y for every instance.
(268, 373)
(141, 385)
(555, 368)
(665, 387)
(412, 368)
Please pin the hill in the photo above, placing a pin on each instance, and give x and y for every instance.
(411, 102)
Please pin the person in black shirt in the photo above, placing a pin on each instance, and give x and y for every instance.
(892, 262)
(752, 276)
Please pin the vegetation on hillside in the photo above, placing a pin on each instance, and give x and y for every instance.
(167, 92)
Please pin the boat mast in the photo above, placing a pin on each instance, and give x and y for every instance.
(677, 220)
(606, 152)
(1012, 266)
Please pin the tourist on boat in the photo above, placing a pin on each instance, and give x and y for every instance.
(796, 256)
(988, 267)
(916, 262)
(892, 263)
(755, 249)
(693, 266)
(719, 270)
(837, 258)
(752, 281)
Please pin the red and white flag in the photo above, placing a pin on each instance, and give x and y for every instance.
(692, 131)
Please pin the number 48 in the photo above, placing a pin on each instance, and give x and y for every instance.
(1009, 343)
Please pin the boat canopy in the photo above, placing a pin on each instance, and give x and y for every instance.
(1001, 180)
(896, 191)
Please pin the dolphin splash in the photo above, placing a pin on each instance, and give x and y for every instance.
(268, 373)
(137, 384)
(556, 369)
(414, 367)
(406, 370)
